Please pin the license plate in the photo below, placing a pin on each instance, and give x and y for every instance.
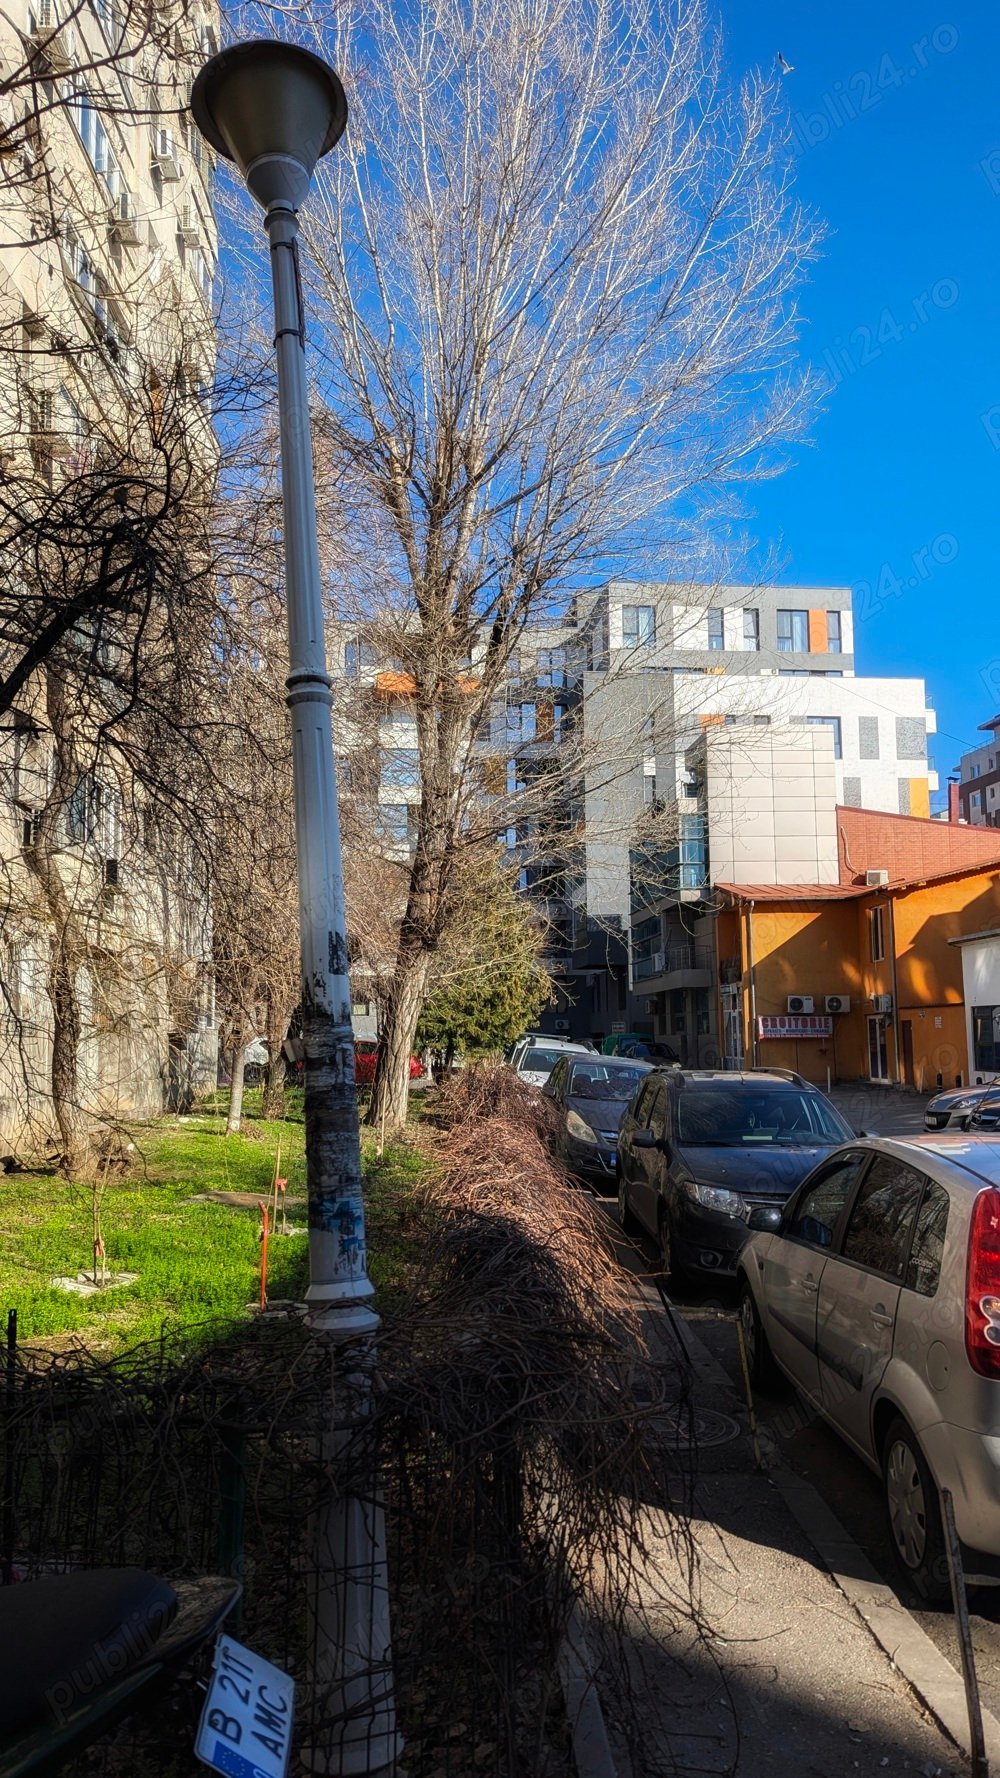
(246, 1725)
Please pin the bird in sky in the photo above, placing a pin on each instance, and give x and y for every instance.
(786, 67)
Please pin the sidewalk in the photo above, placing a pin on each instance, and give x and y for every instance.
(772, 1674)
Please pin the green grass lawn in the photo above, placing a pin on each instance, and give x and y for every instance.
(196, 1262)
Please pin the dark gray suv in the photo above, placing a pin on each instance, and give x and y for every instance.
(698, 1150)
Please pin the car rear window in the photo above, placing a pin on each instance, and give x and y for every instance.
(739, 1115)
(535, 1060)
(592, 1080)
(923, 1272)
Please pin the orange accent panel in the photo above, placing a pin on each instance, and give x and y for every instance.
(920, 797)
(818, 638)
(711, 721)
(395, 685)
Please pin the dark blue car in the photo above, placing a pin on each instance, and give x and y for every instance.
(697, 1151)
(591, 1094)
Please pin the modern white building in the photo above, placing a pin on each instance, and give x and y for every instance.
(981, 981)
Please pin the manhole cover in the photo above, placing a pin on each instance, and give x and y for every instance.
(699, 1428)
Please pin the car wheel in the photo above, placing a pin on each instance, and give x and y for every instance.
(914, 1515)
(626, 1216)
(764, 1373)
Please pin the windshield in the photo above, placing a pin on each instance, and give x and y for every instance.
(729, 1116)
(591, 1080)
(536, 1061)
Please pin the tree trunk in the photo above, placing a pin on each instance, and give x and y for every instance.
(237, 1071)
(67, 937)
(65, 1051)
(274, 1085)
(391, 1086)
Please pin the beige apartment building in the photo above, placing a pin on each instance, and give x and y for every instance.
(107, 272)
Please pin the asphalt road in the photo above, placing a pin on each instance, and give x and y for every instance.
(811, 1449)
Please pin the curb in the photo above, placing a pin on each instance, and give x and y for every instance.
(592, 1754)
(925, 1669)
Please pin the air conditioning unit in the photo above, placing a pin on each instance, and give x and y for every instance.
(800, 1003)
(560, 1024)
(124, 220)
(882, 1002)
(49, 36)
(650, 1006)
(837, 1003)
(876, 879)
(165, 156)
(188, 226)
(658, 962)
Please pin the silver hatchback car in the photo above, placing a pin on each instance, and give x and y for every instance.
(876, 1291)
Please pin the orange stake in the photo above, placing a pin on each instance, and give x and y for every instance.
(263, 1253)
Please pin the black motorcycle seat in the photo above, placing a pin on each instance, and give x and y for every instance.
(66, 1637)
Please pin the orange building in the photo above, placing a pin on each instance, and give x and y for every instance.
(872, 953)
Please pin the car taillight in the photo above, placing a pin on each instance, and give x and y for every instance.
(982, 1290)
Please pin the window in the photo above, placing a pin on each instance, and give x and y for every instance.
(974, 771)
(834, 638)
(644, 1104)
(986, 1039)
(924, 1267)
(649, 791)
(702, 1012)
(400, 767)
(551, 668)
(678, 1010)
(975, 800)
(751, 631)
(203, 271)
(521, 722)
(93, 134)
(833, 724)
(881, 1222)
(716, 628)
(93, 816)
(357, 655)
(638, 626)
(761, 721)
(396, 822)
(793, 632)
(815, 1216)
(876, 933)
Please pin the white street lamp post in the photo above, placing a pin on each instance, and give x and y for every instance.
(274, 109)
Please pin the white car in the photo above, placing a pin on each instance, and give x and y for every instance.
(876, 1291)
(535, 1062)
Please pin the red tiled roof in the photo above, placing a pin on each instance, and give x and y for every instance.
(911, 848)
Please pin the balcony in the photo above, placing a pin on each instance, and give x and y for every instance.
(678, 965)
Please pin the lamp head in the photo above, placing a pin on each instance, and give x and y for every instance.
(274, 109)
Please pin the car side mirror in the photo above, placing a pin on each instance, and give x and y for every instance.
(765, 1218)
(644, 1139)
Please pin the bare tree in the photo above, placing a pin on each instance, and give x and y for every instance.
(557, 258)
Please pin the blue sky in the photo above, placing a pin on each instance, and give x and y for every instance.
(894, 105)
